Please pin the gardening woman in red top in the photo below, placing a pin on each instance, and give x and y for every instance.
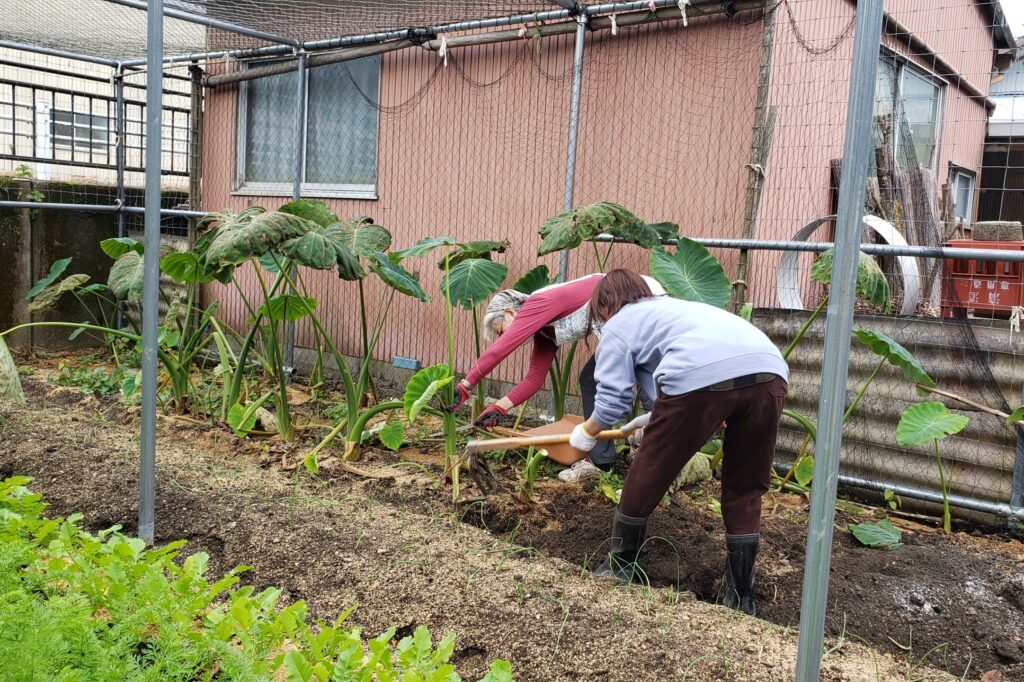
(553, 316)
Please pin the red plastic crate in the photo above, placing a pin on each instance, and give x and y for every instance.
(987, 287)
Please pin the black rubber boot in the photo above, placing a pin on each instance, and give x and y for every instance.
(739, 572)
(628, 534)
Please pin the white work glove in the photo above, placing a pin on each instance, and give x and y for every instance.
(637, 424)
(581, 440)
(635, 434)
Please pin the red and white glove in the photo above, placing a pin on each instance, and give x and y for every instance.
(462, 394)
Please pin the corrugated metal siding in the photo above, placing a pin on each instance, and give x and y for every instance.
(1012, 82)
(979, 459)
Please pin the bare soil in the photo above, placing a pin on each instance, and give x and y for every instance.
(511, 580)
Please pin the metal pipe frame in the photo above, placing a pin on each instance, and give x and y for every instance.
(119, 162)
(838, 327)
(1007, 511)
(288, 364)
(207, 21)
(286, 47)
(151, 270)
(819, 247)
(574, 125)
(52, 52)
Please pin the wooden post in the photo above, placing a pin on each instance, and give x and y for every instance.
(764, 128)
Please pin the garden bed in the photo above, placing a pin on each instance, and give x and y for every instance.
(510, 579)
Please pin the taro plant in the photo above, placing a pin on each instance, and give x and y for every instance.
(303, 233)
(469, 277)
(888, 352)
(569, 230)
(931, 422)
(534, 456)
(871, 286)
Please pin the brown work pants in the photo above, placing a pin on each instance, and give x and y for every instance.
(680, 424)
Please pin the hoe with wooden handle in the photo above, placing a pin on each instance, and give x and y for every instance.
(481, 472)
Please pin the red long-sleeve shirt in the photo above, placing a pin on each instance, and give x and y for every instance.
(535, 319)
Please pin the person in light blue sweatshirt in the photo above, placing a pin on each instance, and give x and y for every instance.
(706, 366)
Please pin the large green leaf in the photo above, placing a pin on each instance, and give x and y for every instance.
(361, 236)
(535, 279)
(312, 210)
(321, 248)
(473, 281)
(185, 268)
(871, 283)
(251, 235)
(925, 422)
(392, 435)
(10, 381)
(115, 247)
(313, 249)
(421, 247)
(896, 354)
(287, 307)
(395, 276)
(691, 273)
(647, 235)
(478, 249)
(422, 387)
(126, 277)
(879, 535)
(48, 297)
(567, 230)
(56, 270)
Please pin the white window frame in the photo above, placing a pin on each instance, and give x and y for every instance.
(73, 143)
(901, 63)
(958, 171)
(286, 189)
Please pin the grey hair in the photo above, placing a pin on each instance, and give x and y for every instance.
(507, 298)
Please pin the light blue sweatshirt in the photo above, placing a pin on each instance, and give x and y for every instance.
(677, 347)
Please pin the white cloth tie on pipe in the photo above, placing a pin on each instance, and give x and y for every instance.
(615, 26)
(442, 51)
(683, 4)
(1016, 313)
(522, 31)
(653, 5)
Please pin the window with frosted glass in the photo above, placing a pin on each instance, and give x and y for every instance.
(340, 137)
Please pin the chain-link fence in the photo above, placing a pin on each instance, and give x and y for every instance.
(728, 120)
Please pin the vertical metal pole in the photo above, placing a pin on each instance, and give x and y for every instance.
(867, 38)
(151, 264)
(1017, 486)
(119, 161)
(570, 161)
(300, 136)
(574, 125)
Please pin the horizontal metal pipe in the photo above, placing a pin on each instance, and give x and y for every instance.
(172, 212)
(818, 247)
(98, 208)
(312, 61)
(212, 23)
(57, 53)
(997, 508)
(33, 205)
(455, 27)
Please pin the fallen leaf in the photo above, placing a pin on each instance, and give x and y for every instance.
(992, 676)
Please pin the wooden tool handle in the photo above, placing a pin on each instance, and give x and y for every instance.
(527, 441)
